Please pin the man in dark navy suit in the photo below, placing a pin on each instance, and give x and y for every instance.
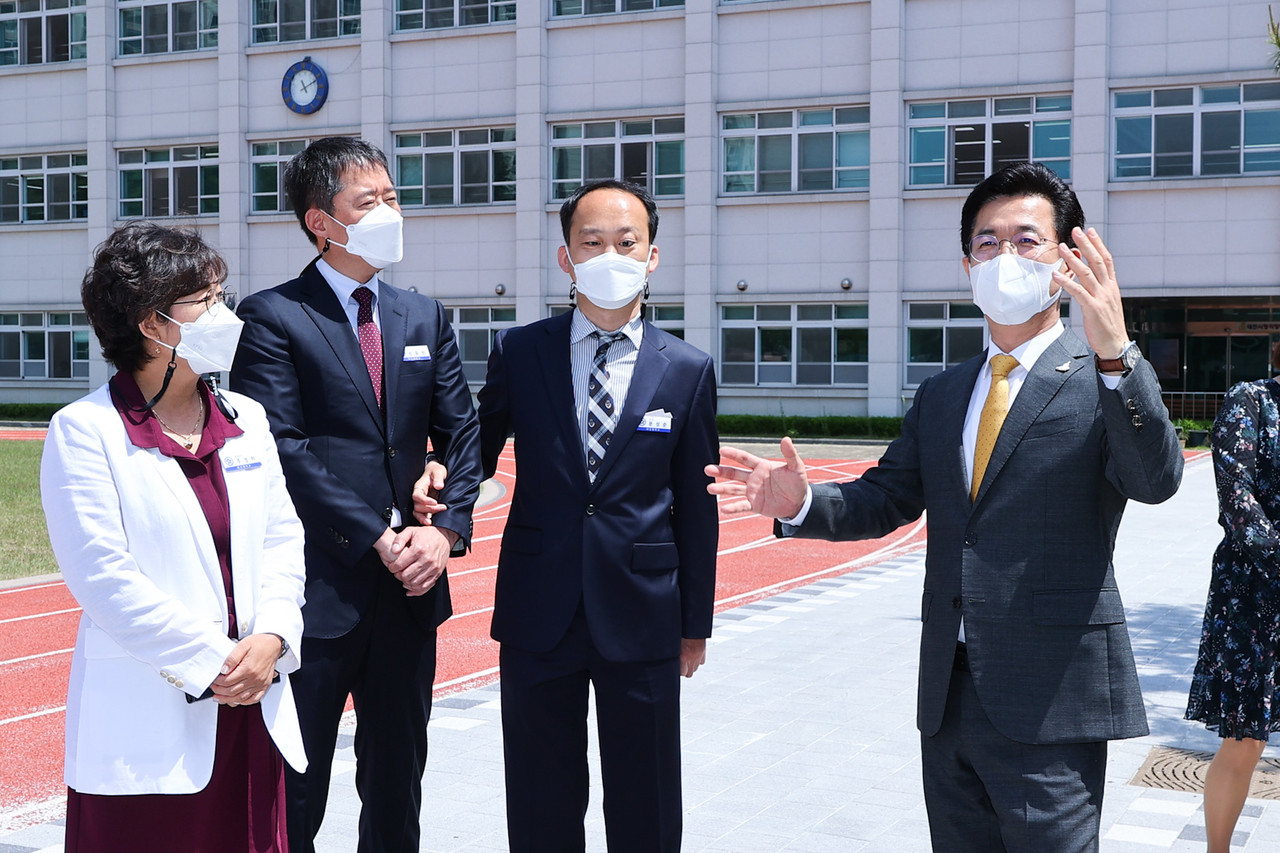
(607, 571)
(356, 376)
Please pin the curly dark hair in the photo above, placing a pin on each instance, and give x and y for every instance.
(314, 175)
(143, 267)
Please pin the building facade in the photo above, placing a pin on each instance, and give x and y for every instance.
(810, 158)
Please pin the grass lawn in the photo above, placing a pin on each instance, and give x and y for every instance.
(24, 540)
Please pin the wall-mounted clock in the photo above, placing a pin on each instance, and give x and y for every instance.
(304, 87)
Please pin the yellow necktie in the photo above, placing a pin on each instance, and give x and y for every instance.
(993, 413)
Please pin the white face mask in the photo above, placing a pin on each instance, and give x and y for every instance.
(378, 237)
(1011, 289)
(610, 280)
(209, 342)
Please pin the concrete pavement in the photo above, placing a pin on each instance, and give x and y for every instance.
(799, 732)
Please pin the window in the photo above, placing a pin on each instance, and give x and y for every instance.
(36, 31)
(793, 344)
(1197, 131)
(441, 14)
(268, 160)
(167, 27)
(44, 188)
(648, 152)
(566, 8)
(38, 345)
(179, 181)
(941, 334)
(797, 150)
(668, 318)
(476, 329)
(451, 167)
(296, 20)
(958, 143)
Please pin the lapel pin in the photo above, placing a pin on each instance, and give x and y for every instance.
(1064, 367)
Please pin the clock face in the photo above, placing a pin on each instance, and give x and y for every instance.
(304, 87)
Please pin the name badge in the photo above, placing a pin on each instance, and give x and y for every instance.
(417, 353)
(658, 420)
(240, 463)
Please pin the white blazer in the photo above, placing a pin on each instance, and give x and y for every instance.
(136, 552)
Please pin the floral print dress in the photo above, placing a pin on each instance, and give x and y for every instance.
(1234, 689)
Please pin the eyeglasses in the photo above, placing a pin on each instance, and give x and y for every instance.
(212, 298)
(1028, 244)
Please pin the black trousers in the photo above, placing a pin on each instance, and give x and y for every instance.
(544, 732)
(387, 663)
(985, 792)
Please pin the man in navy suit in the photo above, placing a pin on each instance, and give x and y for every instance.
(356, 377)
(1025, 665)
(607, 571)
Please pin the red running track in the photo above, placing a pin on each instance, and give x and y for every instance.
(38, 627)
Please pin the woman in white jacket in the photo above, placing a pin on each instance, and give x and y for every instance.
(170, 522)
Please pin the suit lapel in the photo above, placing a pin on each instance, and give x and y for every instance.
(955, 398)
(1041, 385)
(182, 496)
(646, 378)
(395, 323)
(557, 371)
(328, 314)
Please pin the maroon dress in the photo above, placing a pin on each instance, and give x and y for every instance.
(242, 807)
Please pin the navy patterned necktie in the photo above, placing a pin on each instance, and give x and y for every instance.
(602, 417)
(370, 340)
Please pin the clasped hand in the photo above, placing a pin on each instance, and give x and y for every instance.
(247, 671)
(417, 556)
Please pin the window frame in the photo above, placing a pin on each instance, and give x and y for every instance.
(466, 323)
(586, 8)
(43, 340)
(1200, 101)
(495, 12)
(764, 129)
(49, 23)
(345, 21)
(204, 34)
(766, 320)
(460, 149)
(664, 138)
(261, 162)
(149, 162)
(954, 115)
(23, 175)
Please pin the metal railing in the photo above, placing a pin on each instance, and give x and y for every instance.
(1197, 405)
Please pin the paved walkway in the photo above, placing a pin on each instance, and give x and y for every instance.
(799, 732)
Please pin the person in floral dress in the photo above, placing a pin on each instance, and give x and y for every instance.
(1234, 690)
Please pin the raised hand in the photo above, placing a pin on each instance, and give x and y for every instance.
(763, 486)
(1096, 291)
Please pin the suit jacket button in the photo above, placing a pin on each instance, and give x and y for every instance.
(955, 602)
(391, 451)
(171, 679)
(591, 509)
(970, 539)
(179, 683)
(164, 674)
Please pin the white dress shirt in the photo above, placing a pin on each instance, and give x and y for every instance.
(620, 363)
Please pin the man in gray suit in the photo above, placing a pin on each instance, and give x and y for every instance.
(1025, 665)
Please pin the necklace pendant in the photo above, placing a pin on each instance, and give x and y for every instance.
(189, 443)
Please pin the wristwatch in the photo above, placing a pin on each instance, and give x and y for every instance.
(1127, 361)
(284, 647)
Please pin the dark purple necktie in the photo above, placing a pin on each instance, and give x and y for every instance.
(370, 340)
